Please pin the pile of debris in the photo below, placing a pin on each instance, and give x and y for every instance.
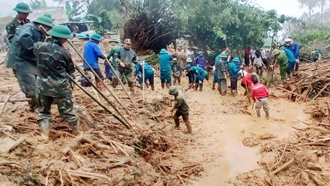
(105, 154)
(301, 159)
(312, 82)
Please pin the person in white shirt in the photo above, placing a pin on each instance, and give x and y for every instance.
(258, 63)
(190, 53)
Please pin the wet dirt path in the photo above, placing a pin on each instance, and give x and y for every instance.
(220, 132)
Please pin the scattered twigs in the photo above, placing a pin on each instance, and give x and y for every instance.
(5, 103)
(15, 100)
(79, 173)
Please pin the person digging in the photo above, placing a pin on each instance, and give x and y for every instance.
(181, 108)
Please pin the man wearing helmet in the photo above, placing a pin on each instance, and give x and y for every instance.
(294, 48)
(54, 87)
(22, 59)
(23, 10)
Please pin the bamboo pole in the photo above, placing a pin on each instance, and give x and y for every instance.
(99, 103)
(97, 76)
(121, 83)
(101, 93)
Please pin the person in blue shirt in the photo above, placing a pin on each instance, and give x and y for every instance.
(92, 52)
(165, 68)
(292, 60)
(200, 74)
(190, 75)
(148, 74)
(234, 67)
(294, 48)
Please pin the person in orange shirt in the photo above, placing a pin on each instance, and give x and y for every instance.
(260, 95)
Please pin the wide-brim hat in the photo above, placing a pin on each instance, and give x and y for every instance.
(173, 90)
(96, 37)
(22, 7)
(163, 51)
(223, 55)
(188, 60)
(44, 21)
(60, 31)
(188, 66)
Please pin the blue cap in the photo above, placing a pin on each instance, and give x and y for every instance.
(96, 37)
(188, 66)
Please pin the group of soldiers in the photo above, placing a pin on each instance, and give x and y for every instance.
(42, 67)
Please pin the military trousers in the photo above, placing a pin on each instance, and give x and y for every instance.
(28, 84)
(126, 72)
(64, 105)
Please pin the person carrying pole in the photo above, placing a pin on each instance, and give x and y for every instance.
(22, 59)
(126, 58)
(282, 60)
(54, 87)
(92, 52)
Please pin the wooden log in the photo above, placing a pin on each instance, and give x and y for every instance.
(16, 144)
(16, 100)
(284, 166)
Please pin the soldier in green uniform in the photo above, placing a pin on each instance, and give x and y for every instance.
(22, 59)
(54, 87)
(126, 58)
(181, 107)
(23, 10)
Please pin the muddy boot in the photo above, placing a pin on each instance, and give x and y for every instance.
(201, 87)
(44, 124)
(177, 124)
(189, 128)
(168, 85)
(174, 81)
(213, 86)
(267, 114)
(163, 85)
(33, 105)
(114, 82)
(258, 113)
(152, 87)
(75, 127)
(196, 87)
(179, 80)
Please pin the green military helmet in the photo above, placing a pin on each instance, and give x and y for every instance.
(48, 15)
(44, 21)
(60, 31)
(173, 90)
(128, 41)
(22, 7)
(115, 40)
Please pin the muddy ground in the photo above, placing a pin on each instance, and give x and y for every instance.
(229, 144)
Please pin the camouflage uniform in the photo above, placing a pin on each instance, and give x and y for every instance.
(13, 26)
(114, 63)
(181, 106)
(54, 63)
(128, 57)
(23, 61)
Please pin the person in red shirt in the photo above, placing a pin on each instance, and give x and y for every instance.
(246, 81)
(247, 56)
(260, 96)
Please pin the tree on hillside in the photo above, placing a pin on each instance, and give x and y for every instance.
(310, 4)
(74, 9)
(38, 4)
(101, 21)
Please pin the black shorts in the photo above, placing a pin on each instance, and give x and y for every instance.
(98, 72)
(233, 83)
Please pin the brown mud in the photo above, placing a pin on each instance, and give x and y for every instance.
(229, 144)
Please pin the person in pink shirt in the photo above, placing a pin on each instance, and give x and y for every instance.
(260, 96)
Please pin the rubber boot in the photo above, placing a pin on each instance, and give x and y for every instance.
(33, 105)
(196, 86)
(201, 87)
(177, 124)
(152, 87)
(44, 124)
(114, 82)
(75, 127)
(189, 127)
(213, 86)
(267, 114)
(163, 85)
(258, 113)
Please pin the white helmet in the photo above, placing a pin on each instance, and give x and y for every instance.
(287, 40)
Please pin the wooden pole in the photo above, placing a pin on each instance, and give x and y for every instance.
(99, 103)
(101, 93)
(97, 76)
(143, 82)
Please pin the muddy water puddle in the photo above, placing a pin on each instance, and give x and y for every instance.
(237, 158)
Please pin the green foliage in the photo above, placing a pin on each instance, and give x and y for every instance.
(152, 60)
(101, 22)
(74, 9)
(38, 4)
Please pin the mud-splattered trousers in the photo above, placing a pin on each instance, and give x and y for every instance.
(28, 84)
